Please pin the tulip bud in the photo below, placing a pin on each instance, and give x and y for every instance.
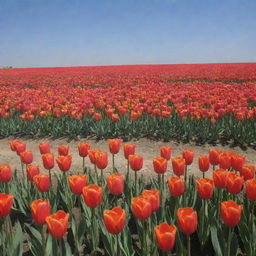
(178, 166)
(188, 155)
(176, 186)
(44, 148)
(166, 152)
(231, 213)
(77, 183)
(92, 195)
(6, 202)
(114, 145)
(136, 162)
(5, 173)
(40, 209)
(83, 148)
(115, 183)
(187, 220)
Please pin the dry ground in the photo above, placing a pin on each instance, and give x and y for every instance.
(145, 147)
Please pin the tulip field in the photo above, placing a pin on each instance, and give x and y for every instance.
(197, 102)
(56, 210)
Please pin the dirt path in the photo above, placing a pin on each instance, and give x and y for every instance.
(146, 148)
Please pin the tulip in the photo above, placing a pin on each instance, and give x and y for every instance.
(114, 148)
(214, 157)
(153, 196)
(234, 183)
(176, 186)
(165, 235)
(92, 195)
(26, 157)
(166, 152)
(188, 155)
(42, 182)
(250, 189)
(92, 154)
(57, 223)
(129, 149)
(115, 183)
(19, 147)
(63, 150)
(205, 188)
(237, 162)
(187, 220)
(77, 183)
(101, 162)
(44, 148)
(141, 207)
(220, 178)
(114, 220)
(6, 202)
(5, 173)
(40, 209)
(136, 163)
(83, 149)
(12, 144)
(204, 164)
(48, 162)
(224, 160)
(178, 166)
(247, 172)
(160, 165)
(64, 162)
(32, 171)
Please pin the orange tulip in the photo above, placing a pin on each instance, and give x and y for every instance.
(178, 166)
(57, 223)
(19, 147)
(92, 195)
(26, 157)
(136, 162)
(237, 162)
(42, 182)
(44, 147)
(101, 159)
(83, 148)
(6, 201)
(234, 183)
(188, 155)
(129, 149)
(48, 160)
(176, 186)
(115, 183)
(64, 162)
(224, 160)
(77, 183)
(230, 213)
(214, 156)
(205, 188)
(204, 164)
(92, 154)
(141, 207)
(63, 150)
(166, 152)
(250, 189)
(5, 173)
(114, 145)
(40, 209)
(187, 220)
(247, 172)
(12, 144)
(153, 196)
(32, 170)
(165, 235)
(220, 178)
(160, 165)
(114, 220)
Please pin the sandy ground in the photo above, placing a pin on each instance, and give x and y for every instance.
(145, 147)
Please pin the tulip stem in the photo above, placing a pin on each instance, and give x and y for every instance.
(50, 175)
(162, 196)
(229, 241)
(96, 174)
(113, 162)
(135, 182)
(128, 170)
(203, 175)
(101, 177)
(144, 244)
(84, 171)
(22, 169)
(7, 189)
(43, 239)
(186, 170)
(59, 246)
(252, 224)
(93, 229)
(188, 246)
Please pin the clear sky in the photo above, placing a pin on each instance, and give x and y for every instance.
(40, 33)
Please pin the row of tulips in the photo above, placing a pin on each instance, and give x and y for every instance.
(117, 215)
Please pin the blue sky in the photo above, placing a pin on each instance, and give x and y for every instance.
(40, 33)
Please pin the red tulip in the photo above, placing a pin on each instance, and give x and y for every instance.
(48, 161)
(115, 183)
(220, 178)
(237, 162)
(114, 220)
(136, 162)
(234, 183)
(26, 157)
(40, 209)
(141, 207)
(178, 166)
(12, 144)
(44, 147)
(129, 149)
(176, 186)
(187, 220)
(101, 159)
(250, 189)
(57, 223)
(5, 173)
(92, 195)
(19, 147)
(32, 171)
(204, 164)
(166, 152)
(214, 156)
(83, 148)
(231, 213)
(64, 162)
(224, 160)
(77, 183)
(63, 150)
(6, 201)
(92, 154)
(188, 155)
(165, 235)
(153, 196)
(114, 145)
(42, 182)
(205, 188)
(247, 172)
(160, 165)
